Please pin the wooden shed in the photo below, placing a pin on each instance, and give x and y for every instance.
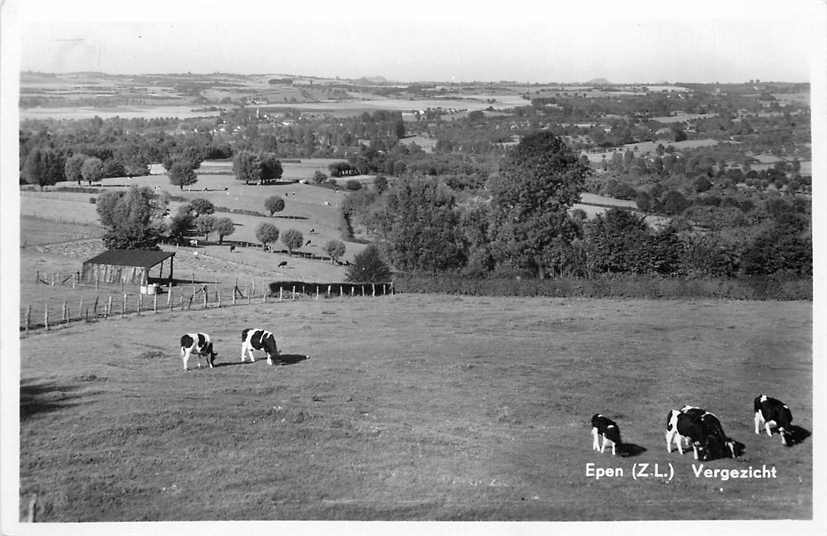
(127, 266)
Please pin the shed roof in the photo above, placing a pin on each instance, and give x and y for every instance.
(131, 257)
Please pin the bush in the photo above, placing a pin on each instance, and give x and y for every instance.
(368, 266)
(93, 200)
(335, 249)
(353, 185)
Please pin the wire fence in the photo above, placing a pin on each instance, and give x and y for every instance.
(156, 299)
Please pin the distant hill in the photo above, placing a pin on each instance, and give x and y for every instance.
(598, 82)
(371, 80)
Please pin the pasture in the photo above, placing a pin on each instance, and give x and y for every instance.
(417, 407)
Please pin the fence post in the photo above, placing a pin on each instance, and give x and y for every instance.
(46, 316)
(234, 291)
(53, 279)
(253, 286)
(140, 301)
(109, 307)
(352, 291)
(393, 289)
(218, 297)
(263, 297)
(37, 276)
(205, 296)
(249, 297)
(74, 280)
(123, 306)
(329, 290)
(317, 292)
(341, 291)
(169, 300)
(193, 278)
(86, 314)
(97, 280)
(65, 309)
(280, 292)
(373, 289)
(80, 307)
(28, 317)
(294, 292)
(182, 303)
(95, 308)
(155, 303)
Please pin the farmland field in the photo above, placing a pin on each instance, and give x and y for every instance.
(412, 407)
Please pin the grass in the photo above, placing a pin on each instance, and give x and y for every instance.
(412, 407)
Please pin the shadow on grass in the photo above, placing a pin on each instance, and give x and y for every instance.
(233, 363)
(282, 359)
(44, 397)
(630, 449)
(796, 434)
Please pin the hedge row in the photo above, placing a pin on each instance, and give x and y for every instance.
(613, 287)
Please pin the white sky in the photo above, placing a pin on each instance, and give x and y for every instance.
(638, 41)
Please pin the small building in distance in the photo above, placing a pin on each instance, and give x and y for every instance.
(128, 266)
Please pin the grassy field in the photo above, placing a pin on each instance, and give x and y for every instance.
(412, 407)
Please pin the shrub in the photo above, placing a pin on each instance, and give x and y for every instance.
(319, 177)
(93, 200)
(368, 266)
(353, 185)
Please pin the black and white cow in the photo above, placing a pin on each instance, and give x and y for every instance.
(701, 428)
(200, 344)
(772, 412)
(607, 429)
(258, 339)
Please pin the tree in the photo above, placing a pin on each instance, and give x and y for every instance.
(43, 167)
(247, 167)
(368, 266)
(419, 222)
(205, 224)
(182, 174)
(72, 169)
(643, 201)
(380, 183)
(335, 249)
(539, 180)
(92, 170)
(133, 218)
(270, 166)
(267, 233)
(319, 177)
(353, 185)
(702, 184)
(293, 239)
(202, 206)
(274, 204)
(673, 203)
(224, 227)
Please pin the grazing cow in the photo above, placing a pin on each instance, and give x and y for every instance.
(200, 344)
(194, 243)
(258, 339)
(607, 429)
(282, 263)
(701, 428)
(772, 412)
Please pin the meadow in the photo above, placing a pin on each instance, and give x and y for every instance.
(414, 407)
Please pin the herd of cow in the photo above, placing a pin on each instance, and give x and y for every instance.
(702, 429)
(251, 339)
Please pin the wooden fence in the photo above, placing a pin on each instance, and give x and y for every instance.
(185, 298)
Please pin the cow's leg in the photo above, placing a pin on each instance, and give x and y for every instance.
(669, 440)
(758, 419)
(269, 359)
(595, 443)
(783, 433)
(768, 427)
(679, 443)
(602, 443)
(613, 448)
(695, 449)
(243, 348)
(186, 357)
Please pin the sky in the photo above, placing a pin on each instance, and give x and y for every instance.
(633, 41)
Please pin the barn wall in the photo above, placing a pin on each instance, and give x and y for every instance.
(111, 273)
